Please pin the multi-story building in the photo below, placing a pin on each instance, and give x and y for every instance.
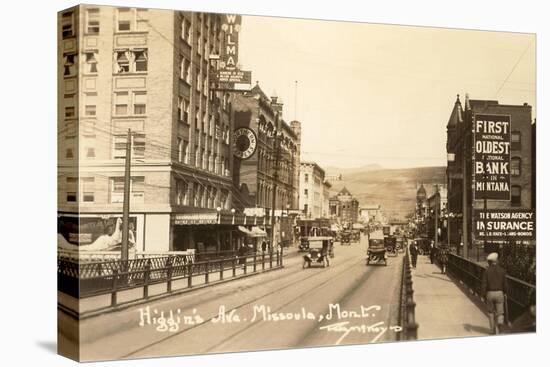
(460, 173)
(266, 160)
(344, 208)
(143, 74)
(325, 208)
(436, 210)
(312, 190)
(370, 213)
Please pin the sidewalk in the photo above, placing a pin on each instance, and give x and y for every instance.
(443, 310)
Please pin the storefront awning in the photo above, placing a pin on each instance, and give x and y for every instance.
(258, 232)
(245, 230)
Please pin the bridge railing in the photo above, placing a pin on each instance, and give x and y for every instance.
(471, 275)
(407, 305)
(85, 280)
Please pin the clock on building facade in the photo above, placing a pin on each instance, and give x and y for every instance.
(244, 142)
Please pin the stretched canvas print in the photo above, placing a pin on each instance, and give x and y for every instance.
(238, 183)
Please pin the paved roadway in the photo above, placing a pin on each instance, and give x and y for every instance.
(348, 303)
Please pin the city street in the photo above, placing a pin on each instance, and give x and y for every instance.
(346, 303)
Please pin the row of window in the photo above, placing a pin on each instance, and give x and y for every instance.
(116, 192)
(127, 20)
(198, 195)
(126, 103)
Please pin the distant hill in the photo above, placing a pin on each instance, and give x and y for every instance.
(331, 170)
(393, 189)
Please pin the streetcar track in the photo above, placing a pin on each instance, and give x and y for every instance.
(342, 301)
(363, 278)
(206, 321)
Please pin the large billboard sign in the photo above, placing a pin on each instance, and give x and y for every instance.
(504, 224)
(230, 56)
(228, 73)
(492, 156)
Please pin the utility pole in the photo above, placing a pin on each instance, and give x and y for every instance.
(126, 202)
(437, 203)
(275, 179)
(465, 182)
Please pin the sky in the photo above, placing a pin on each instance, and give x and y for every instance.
(381, 94)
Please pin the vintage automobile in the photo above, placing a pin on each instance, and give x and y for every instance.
(376, 252)
(390, 242)
(306, 228)
(400, 243)
(345, 238)
(319, 253)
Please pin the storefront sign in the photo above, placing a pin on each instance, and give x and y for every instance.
(492, 157)
(251, 212)
(195, 218)
(234, 76)
(504, 224)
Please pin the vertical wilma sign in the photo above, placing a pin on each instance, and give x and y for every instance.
(492, 157)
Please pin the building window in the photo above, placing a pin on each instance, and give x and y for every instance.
(93, 21)
(183, 110)
(91, 103)
(183, 151)
(72, 188)
(182, 189)
(88, 189)
(69, 64)
(67, 27)
(70, 110)
(516, 140)
(137, 142)
(141, 60)
(137, 189)
(516, 195)
(121, 103)
(90, 152)
(198, 84)
(140, 103)
(69, 153)
(306, 178)
(142, 20)
(186, 31)
(515, 166)
(91, 62)
(124, 19)
(305, 192)
(123, 62)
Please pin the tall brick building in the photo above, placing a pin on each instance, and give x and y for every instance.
(146, 70)
(266, 160)
(460, 165)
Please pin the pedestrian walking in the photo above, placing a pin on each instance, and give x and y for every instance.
(264, 246)
(444, 258)
(413, 250)
(494, 287)
(433, 251)
(242, 254)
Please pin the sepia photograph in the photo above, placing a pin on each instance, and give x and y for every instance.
(237, 183)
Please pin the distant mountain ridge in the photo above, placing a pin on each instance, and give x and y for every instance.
(393, 189)
(332, 170)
